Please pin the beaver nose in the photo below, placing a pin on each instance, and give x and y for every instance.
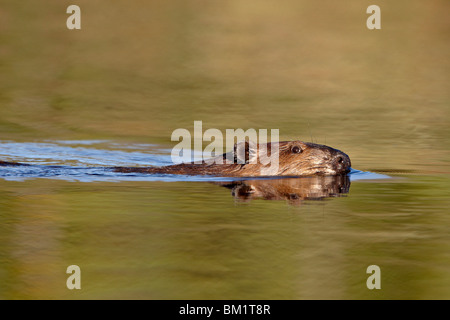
(342, 162)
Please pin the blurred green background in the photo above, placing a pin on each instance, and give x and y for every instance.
(138, 70)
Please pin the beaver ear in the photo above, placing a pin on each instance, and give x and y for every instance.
(245, 152)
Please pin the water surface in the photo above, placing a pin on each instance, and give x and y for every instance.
(112, 93)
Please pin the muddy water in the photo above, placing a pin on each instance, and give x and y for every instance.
(113, 92)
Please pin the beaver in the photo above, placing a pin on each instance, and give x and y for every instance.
(295, 158)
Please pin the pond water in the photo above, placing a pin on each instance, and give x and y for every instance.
(74, 102)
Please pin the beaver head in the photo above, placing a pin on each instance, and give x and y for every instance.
(306, 158)
(295, 158)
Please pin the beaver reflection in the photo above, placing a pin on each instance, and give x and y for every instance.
(294, 190)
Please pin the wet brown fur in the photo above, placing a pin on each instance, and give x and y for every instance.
(313, 159)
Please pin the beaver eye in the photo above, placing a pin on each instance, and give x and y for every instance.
(296, 149)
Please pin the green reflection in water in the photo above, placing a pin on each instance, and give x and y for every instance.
(192, 240)
(135, 72)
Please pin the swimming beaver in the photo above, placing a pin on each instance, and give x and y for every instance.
(296, 158)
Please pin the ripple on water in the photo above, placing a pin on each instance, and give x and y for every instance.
(88, 161)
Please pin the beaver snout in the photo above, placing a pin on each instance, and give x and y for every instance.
(341, 162)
